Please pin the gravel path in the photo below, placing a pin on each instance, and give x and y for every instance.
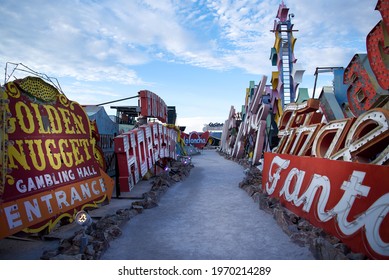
(206, 216)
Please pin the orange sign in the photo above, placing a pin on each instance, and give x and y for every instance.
(31, 213)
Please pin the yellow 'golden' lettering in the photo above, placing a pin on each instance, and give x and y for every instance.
(66, 120)
(42, 129)
(55, 120)
(78, 123)
(26, 123)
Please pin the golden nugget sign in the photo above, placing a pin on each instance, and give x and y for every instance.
(49, 166)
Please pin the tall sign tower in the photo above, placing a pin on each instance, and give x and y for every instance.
(282, 55)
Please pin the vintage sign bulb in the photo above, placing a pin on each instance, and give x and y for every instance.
(83, 218)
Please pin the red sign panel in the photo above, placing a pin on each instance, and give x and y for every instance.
(50, 167)
(196, 139)
(151, 105)
(140, 149)
(348, 200)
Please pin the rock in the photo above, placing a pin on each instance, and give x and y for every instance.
(78, 239)
(160, 181)
(324, 250)
(98, 235)
(176, 178)
(301, 238)
(272, 202)
(123, 214)
(256, 197)
(89, 250)
(106, 222)
(113, 232)
(47, 255)
(132, 213)
(304, 225)
(64, 243)
(343, 248)
(283, 221)
(332, 239)
(146, 203)
(72, 250)
(138, 208)
(264, 203)
(356, 256)
(162, 189)
(100, 246)
(150, 203)
(153, 195)
(250, 190)
(292, 228)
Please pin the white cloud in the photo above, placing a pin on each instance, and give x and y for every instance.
(331, 32)
(103, 40)
(108, 42)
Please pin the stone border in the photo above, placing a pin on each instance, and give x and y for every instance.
(322, 245)
(91, 243)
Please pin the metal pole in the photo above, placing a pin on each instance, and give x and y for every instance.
(314, 86)
(105, 103)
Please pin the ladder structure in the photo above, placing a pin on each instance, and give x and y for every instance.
(282, 56)
(286, 64)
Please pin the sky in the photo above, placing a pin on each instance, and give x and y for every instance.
(197, 55)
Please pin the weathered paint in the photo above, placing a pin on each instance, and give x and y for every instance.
(348, 200)
(52, 166)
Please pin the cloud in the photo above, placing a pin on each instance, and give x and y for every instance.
(331, 32)
(84, 39)
(104, 40)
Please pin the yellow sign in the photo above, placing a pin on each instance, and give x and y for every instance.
(49, 166)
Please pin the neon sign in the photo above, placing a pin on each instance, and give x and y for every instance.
(346, 197)
(368, 75)
(50, 165)
(140, 149)
(196, 139)
(331, 173)
(152, 105)
(252, 130)
(351, 194)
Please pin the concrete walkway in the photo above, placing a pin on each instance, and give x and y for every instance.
(206, 216)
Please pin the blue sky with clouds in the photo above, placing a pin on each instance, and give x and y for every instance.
(197, 55)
